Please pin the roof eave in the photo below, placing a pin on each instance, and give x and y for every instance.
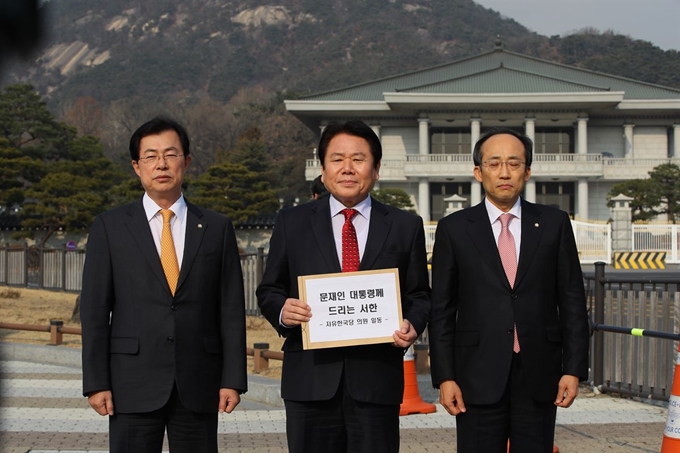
(410, 101)
(650, 104)
(298, 106)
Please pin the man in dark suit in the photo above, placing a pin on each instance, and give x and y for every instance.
(344, 399)
(162, 308)
(508, 328)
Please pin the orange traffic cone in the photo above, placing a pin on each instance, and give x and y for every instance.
(412, 403)
(555, 449)
(671, 434)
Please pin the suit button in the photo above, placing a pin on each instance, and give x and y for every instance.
(173, 307)
(171, 339)
(511, 331)
(514, 296)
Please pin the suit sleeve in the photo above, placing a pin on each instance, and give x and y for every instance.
(572, 306)
(275, 288)
(232, 314)
(442, 329)
(96, 303)
(416, 303)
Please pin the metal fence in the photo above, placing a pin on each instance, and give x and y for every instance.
(593, 241)
(657, 238)
(627, 364)
(62, 270)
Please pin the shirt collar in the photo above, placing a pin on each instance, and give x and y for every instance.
(151, 208)
(494, 213)
(364, 207)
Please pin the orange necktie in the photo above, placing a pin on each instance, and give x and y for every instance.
(168, 254)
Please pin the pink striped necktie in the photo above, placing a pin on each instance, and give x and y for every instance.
(508, 253)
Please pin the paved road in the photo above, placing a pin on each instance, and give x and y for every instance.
(42, 410)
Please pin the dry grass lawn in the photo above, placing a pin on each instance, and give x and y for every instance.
(38, 307)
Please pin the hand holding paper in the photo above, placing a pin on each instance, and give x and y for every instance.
(295, 312)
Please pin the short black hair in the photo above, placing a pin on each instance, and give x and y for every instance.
(317, 188)
(355, 128)
(526, 141)
(156, 126)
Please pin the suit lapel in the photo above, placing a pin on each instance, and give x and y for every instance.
(378, 229)
(532, 230)
(138, 225)
(481, 234)
(195, 228)
(323, 232)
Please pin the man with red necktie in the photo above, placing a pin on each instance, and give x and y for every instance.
(508, 329)
(344, 399)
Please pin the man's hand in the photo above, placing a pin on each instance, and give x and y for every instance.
(295, 312)
(101, 401)
(567, 390)
(229, 399)
(451, 397)
(405, 336)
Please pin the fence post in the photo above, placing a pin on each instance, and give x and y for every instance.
(421, 351)
(56, 337)
(26, 264)
(259, 265)
(7, 263)
(260, 363)
(63, 269)
(598, 337)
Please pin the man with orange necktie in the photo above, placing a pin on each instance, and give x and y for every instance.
(162, 308)
(508, 329)
(344, 399)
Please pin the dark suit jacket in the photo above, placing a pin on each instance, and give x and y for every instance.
(195, 339)
(474, 307)
(303, 244)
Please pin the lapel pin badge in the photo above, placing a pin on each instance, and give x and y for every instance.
(536, 225)
(200, 225)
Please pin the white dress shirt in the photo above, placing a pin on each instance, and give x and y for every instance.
(360, 222)
(515, 225)
(178, 223)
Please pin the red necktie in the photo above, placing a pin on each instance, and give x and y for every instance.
(350, 247)
(508, 253)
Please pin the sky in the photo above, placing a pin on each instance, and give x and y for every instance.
(657, 21)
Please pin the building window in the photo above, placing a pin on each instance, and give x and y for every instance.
(441, 190)
(556, 194)
(450, 141)
(554, 141)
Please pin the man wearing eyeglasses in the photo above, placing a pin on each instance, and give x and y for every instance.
(508, 327)
(162, 308)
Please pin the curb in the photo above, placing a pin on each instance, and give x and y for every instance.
(260, 389)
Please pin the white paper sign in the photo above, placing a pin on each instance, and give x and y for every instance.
(351, 308)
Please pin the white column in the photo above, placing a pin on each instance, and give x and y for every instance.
(476, 186)
(628, 141)
(376, 129)
(582, 207)
(676, 140)
(423, 136)
(530, 191)
(424, 199)
(530, 131)
(583, 135)
(530, 127)
(424, 183)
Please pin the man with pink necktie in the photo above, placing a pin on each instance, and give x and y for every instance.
(344, 399)
(508, 327)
